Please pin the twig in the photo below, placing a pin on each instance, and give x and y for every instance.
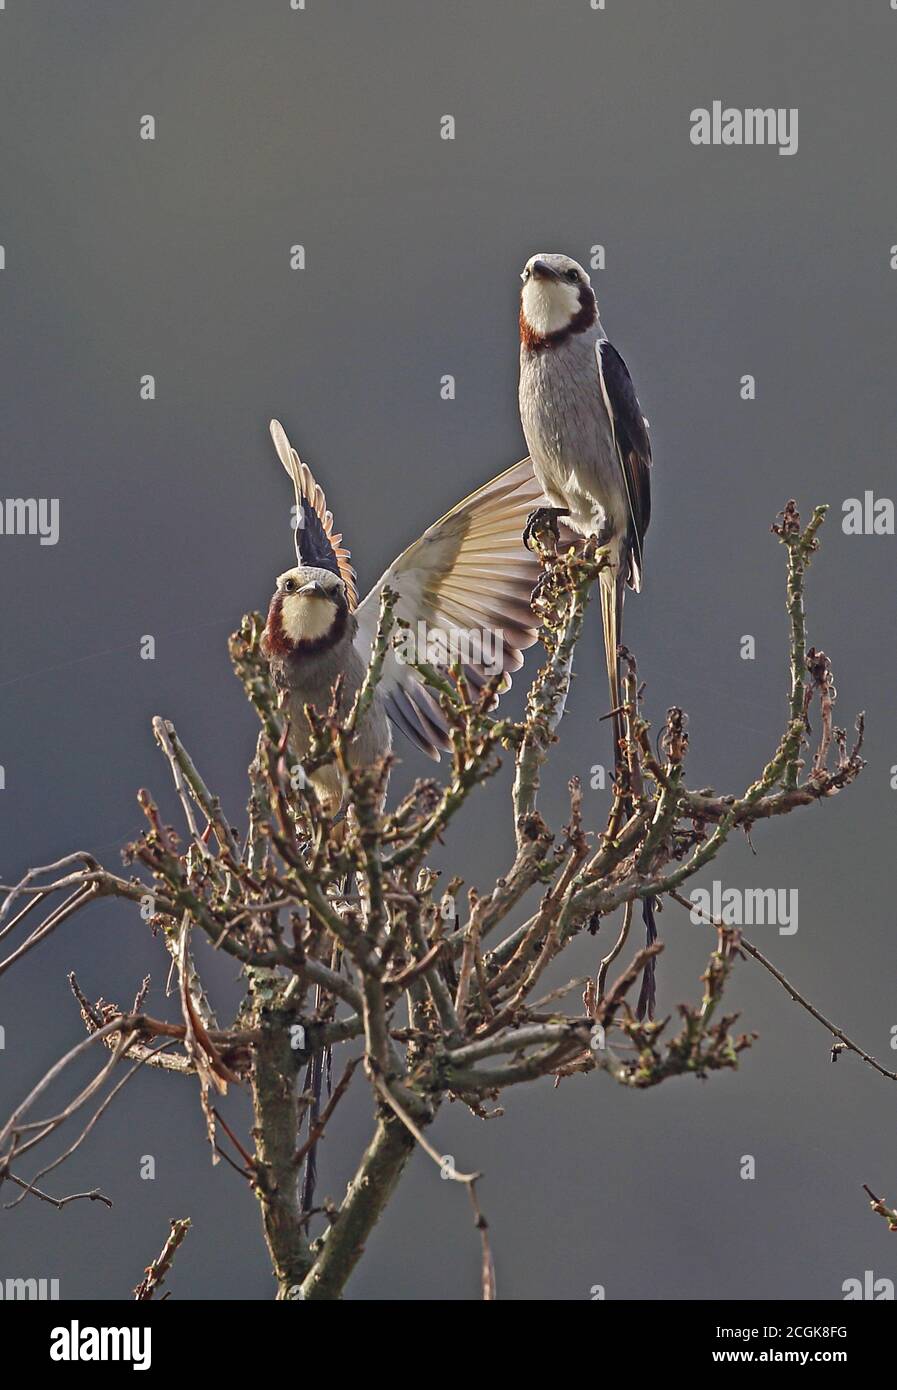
(879, 1206)
(156, 1272)
(447, 1169)
(798, 998)
(95, 1195)
(317, 1129)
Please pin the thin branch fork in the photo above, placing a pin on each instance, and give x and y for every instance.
(749, 949)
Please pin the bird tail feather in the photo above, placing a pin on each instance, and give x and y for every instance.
(611, 590)
(611, 587)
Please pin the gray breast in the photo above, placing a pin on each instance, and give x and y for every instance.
(569, 435)
(310, 680)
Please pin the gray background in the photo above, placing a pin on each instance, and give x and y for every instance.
(126, 257)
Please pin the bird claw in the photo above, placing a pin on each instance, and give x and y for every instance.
(540, 521)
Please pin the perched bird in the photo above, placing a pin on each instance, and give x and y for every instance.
(589, 445)
(463, 587)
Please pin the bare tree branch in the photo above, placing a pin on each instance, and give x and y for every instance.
(345, 930)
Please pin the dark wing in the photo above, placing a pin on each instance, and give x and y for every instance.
(468, 577)
(633, 446)
(318, 546)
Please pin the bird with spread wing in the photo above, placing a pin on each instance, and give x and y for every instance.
(465, 583)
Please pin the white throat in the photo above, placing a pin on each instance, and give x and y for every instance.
(549, 305)
(306, 617)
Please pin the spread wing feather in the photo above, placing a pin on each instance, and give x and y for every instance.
(468, 580)
(317, 544)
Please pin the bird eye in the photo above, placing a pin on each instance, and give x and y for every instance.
(289, 586)
(525, 276)
(572, 275)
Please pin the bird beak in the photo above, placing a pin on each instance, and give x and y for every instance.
(312, 590)
(542, 271)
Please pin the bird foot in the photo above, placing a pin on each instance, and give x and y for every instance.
(542, 521)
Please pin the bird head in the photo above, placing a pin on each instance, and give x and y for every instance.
(308, 612)
(556, 299)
